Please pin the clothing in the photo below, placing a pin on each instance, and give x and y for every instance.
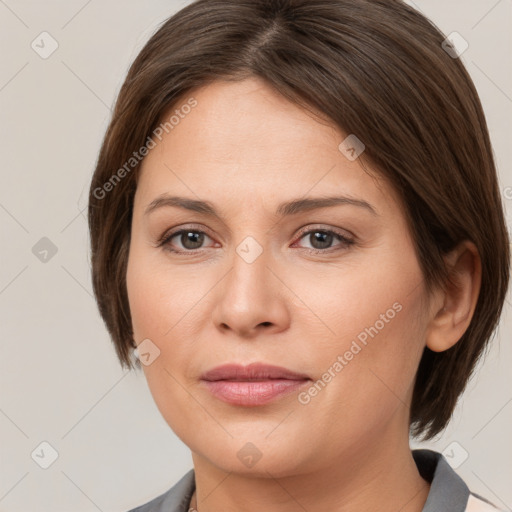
(448, 492)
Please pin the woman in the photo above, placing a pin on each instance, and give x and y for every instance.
(295, 219)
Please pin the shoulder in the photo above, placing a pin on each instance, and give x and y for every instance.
(448, 492)
(479, 504)
(176, 499)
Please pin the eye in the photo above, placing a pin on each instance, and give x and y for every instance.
(321, 240)
(187, 240)
(190, 240)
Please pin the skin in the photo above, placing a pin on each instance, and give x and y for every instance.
(245, 149)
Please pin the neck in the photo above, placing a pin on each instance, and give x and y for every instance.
(383, 476)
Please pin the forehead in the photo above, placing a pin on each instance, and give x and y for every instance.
(242, 140)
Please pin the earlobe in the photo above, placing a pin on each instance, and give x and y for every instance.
(458, 300)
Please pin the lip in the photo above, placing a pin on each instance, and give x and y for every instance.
(252, 385)
(253, 371)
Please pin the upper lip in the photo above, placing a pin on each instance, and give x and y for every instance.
(254, 371)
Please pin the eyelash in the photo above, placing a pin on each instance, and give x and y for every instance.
(165, 239)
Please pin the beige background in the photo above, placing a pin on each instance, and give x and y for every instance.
(60, 381)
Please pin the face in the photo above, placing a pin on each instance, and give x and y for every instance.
(331, 291)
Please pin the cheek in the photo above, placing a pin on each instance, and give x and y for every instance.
(147, 308)
(361, 299)
(364, 377)
(167, 306)
(160, 300)
(372, 324)
(159, 307)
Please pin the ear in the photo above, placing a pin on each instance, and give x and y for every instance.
(456, 304)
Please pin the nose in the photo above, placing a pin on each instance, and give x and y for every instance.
(251, 299)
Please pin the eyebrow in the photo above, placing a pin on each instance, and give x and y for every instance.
(287, 208)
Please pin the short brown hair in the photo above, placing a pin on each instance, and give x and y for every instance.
(376, 68)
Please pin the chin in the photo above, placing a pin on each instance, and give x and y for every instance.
(256, 456)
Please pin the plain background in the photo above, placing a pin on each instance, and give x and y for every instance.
(59, 378)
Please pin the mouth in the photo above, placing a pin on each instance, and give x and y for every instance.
(252, 385)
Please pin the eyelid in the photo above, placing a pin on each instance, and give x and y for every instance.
(172, 232)
(302, 231)
(347, 235)
(345, 238)
(344, 242)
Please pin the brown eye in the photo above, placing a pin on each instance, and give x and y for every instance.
(184, 240)
(321, 240)
(191, 239)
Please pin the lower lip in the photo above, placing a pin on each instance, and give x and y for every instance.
(251, 393)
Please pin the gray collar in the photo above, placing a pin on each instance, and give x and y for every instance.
(448, 492)
(176, 499)
(447, 489)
